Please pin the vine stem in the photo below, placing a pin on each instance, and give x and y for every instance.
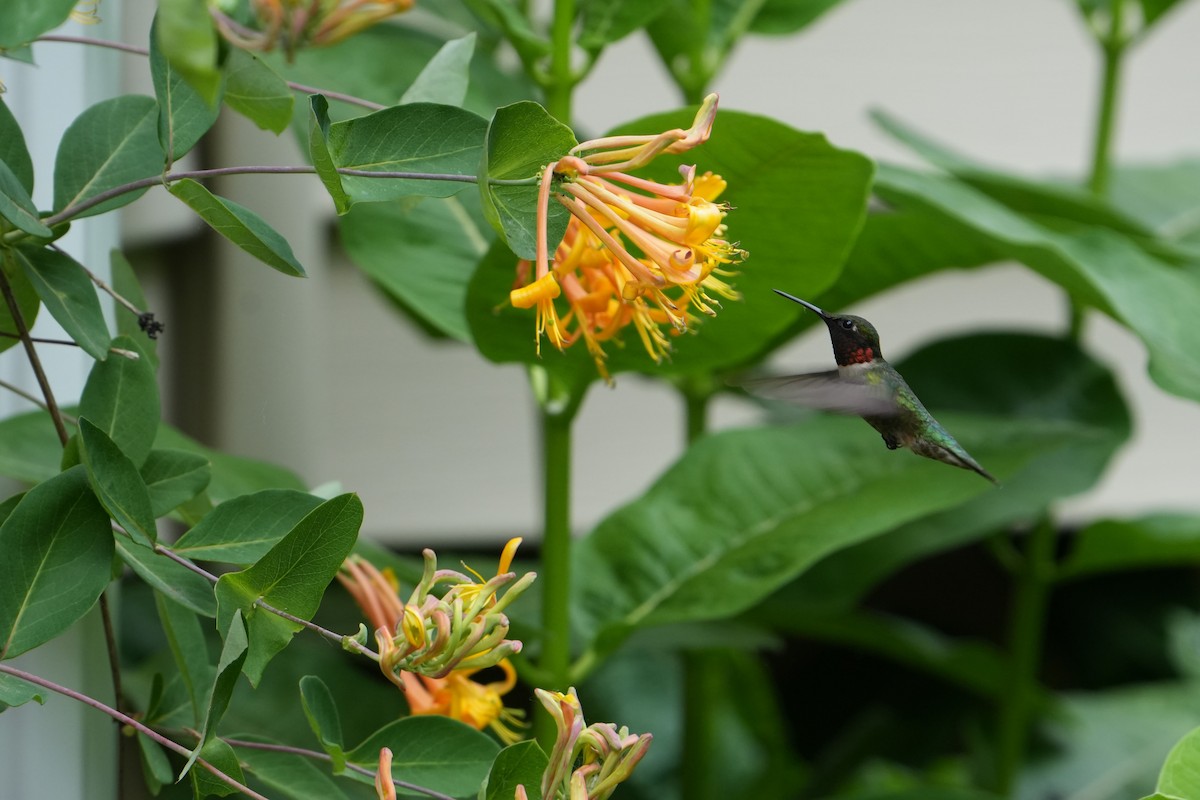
(1026, 627)
(1112, 48)
(130, 721)
(562, 79)
(318, 756)
(35, 363)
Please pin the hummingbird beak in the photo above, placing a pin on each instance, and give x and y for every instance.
(804, 303)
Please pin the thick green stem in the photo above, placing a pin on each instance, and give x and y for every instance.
(1026, 629)
(1112, 48)
(562, 79)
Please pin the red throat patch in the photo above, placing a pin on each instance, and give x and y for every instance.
(863, 354)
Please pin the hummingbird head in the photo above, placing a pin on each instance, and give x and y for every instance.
(855, 341)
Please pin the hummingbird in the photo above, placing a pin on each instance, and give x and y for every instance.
(865, 384)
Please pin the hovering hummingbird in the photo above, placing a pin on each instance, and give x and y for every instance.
(867, 385)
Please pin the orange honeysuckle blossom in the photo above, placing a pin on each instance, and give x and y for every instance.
(636, 251)
(294, 24)
(385, 788)
(432, 647)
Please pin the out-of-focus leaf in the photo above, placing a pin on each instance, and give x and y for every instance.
(607, 21)
(16, 692)
(183, 115)
(779, 17)
(1180, 776)
(522, 139)
(1164, 197)
(256, 91)
(58, 550)
(1152, 541)
(13, 151)
(69, 296)
(27, 300)
(188, 38)
(239, 225)
(292, 577)
(446, 77)
(22, 21)
(113, 143)
(17, 206)
(121, 399)
(422, 255)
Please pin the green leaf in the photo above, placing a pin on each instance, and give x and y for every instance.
(27, 298)
(798, 202)
(173, 477)
(69, 296)
(1165, 197)
(239, 225)
(256, 91)
(221, 756)
(58, 550)
(292, 577)
(188, 39)
(522, 138)
(22, 21)
(1096, 265)
(183, 114)
(229, 667)
(244, 529)
(121, 399)
(17, 206)
(419, 137)
(1180, 776)
(185, 637)
(29, 447)
(232, 476)
(117, 484)
(746, 511)
(422, 255)
(1157, 540)
(174, 580)
(318, 153)
(13, 151)
(607, 21)
(521, 764)
(125, 283)
(16, 692)
(435, 752)
(156, 768)
(293, 776)
(778, 17)
(445, 78)
(113, 143)
(323, 718)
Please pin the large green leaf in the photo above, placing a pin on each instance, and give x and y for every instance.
(239, 225)
(69, 296)
(798, 203)
(27, 298)
(446, 77)
(1165, 197)
(13, 151)
(116, 483)
(242, 530)
(1014, 376)
(183, 115)
(256, 91)
(436, 752)
(419, 137)
(1097, 265)
(110, 144)
(173, 477)
(1180, 776)
(607, 21)
(22, 21)
(17, 206)
(58, 548)
(522, 138)
(291, 577)
(188, 38)
(422, 255)
(121, 399)
(521, 764)
(746, 511)
(1157, 540)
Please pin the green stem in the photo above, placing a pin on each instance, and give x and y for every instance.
(1112, 48)
(561, 79)
(1026, 628)
(555, 572)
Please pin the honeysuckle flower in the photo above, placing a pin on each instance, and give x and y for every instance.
(432, 646)
(86, 12)
(293, 24)
(384, 786)
(635, 252)
(605, 755)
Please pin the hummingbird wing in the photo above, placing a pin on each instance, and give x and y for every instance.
(827, 391)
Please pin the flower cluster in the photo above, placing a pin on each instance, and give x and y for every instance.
(432, 646)
(293, 24)
(636, 251)
(587, 763)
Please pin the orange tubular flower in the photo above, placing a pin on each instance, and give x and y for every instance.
(294, 24)
(636, 251)
(432, 647)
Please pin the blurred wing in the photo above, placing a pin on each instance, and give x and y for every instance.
(826, 391)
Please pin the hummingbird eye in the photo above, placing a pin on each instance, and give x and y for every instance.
(848, 324)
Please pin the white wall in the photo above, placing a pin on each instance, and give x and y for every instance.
(442, 446)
